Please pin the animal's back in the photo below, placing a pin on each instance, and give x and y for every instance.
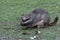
(40, 14)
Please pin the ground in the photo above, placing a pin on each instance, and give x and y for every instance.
(11, 11)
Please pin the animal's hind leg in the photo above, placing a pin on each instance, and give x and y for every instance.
(40, 25)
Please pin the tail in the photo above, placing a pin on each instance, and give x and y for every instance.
(54, 22)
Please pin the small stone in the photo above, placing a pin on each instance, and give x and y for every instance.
(32, 37)
(35, 36)
(39, 32)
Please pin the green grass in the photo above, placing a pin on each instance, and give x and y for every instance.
(11, 10)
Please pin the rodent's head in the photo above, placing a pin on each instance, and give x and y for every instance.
(25, 18)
